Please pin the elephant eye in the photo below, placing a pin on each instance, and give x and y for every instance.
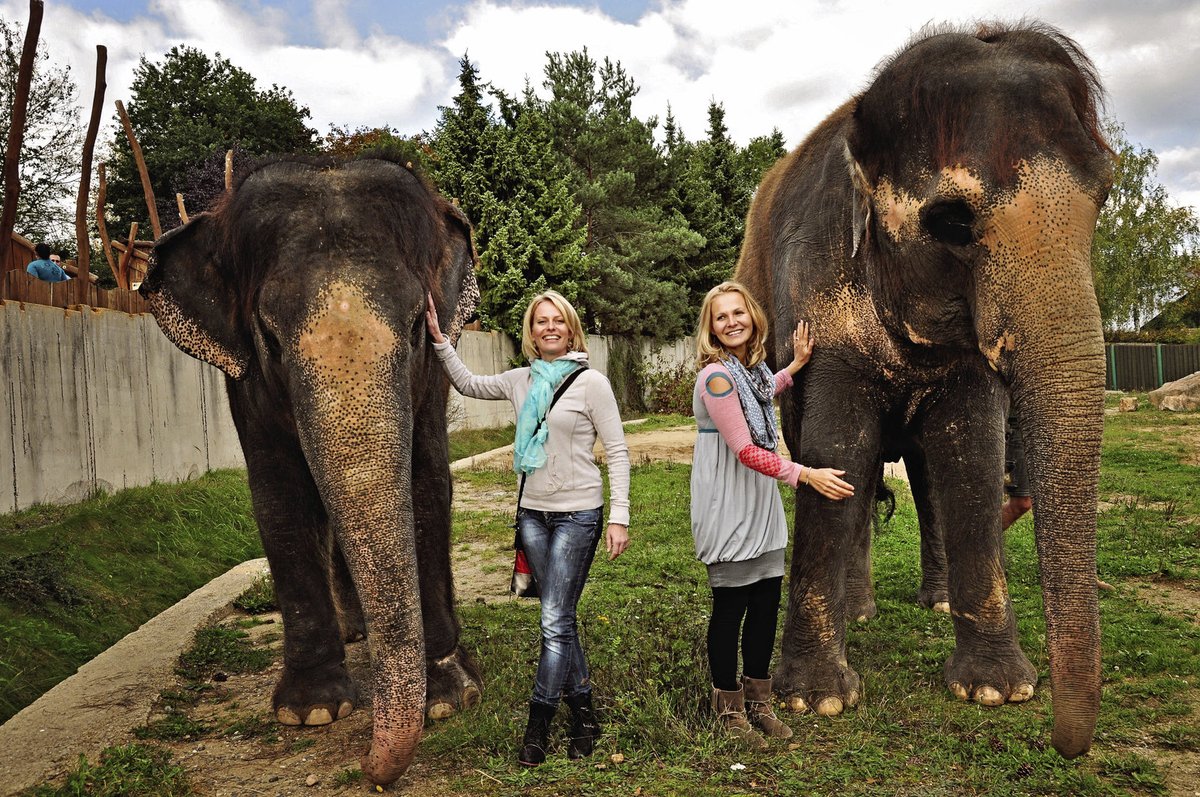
(950, 221)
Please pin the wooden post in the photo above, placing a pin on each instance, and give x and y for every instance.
(101, 226)
(16, 132)
(228, 170)
(83, 247)
(122, 274)
(182, 210)
(141, 167)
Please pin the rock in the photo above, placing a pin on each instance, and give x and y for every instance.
(1178, 396)
(1127, 404)
(312, 780)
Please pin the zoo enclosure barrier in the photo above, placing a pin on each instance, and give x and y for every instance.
(1148, 366)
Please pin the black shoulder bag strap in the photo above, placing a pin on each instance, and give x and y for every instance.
(562, 388)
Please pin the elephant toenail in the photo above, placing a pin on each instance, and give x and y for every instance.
(470, 697)
(439, 711)
(830, 707)
(1021, 693)
(286, 716)
(942, 606)
(852, 698)
(796, 703)
(344, 709)
(318, 716)
(988, 696)
(959, 691)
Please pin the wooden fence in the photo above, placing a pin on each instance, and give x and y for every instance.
(1147, 366)
(18, 285)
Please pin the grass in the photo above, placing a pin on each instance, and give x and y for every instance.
(643, 620)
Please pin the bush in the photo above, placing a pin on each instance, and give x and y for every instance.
(670, 390)
(1189, 335)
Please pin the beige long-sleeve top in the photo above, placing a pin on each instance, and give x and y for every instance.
(570, 480)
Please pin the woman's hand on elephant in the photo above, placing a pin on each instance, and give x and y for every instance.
(826, 482)
(431, 320)
(616, 540)
(802, 346)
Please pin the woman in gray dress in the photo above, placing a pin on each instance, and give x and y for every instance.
(738, 523)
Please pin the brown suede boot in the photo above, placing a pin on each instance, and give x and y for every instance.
(759, 709)
(731, 711)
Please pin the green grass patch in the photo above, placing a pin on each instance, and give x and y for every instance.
(133, 770)
(468, 442)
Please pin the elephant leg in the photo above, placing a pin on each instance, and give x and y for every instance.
(860, 586)
(315, 687)
(453, 680)
(966, 428)
(813, 671)
(934, 592)
(350, 612)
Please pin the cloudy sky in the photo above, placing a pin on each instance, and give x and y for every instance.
(772, 63)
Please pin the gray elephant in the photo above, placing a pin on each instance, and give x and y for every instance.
(307, 288)
(936, 230)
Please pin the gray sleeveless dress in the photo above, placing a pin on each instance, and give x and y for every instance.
(738, 523)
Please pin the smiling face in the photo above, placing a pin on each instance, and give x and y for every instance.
(732, 324)
(551, 335)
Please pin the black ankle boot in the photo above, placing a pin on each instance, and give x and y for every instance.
(585, 727)
(537, 733)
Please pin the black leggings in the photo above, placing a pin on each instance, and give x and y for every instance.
(758, 603)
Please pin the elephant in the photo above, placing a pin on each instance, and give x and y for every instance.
(307, 287)
(936, 232)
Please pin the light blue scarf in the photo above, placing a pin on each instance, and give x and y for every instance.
(529, 452)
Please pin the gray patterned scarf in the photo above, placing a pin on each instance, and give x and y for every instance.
(756, 392)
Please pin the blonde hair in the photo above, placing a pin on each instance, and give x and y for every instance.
(708, 348)
(578, 340)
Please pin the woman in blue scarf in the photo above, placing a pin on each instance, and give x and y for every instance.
(560, 517)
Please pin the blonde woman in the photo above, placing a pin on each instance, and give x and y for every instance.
(737, 516)
(560, 517)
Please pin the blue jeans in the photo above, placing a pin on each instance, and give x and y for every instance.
(560, 547)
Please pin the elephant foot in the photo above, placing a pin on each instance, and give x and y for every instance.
(315, 696)
(991, 680)
(823, 687)
(861, 610)
(934, 597)
(452, 683)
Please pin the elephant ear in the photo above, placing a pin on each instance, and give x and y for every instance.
(195, 306)
(861, 205)
(460, 289)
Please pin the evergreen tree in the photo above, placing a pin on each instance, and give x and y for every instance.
(515, 190)
(186, 109)
(635, 239)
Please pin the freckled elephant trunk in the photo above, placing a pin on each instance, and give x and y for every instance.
(358, 440)
(1039, 324)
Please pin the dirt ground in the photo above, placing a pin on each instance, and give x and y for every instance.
(115, 693)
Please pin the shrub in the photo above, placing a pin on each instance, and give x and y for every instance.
(670, 389)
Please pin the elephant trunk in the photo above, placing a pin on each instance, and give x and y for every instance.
(1039, 326)
(351, 395)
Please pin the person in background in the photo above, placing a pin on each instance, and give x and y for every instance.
(738, 523)
(58, 259)
(561, 513)
(44, 268)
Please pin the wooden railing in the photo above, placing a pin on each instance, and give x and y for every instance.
(17, 285)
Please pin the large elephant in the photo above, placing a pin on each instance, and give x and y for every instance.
(307, 288)
(936, 230)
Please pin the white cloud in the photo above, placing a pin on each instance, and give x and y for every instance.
(771, 64)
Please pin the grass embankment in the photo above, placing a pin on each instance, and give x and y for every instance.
(643, 620)
(75, 579)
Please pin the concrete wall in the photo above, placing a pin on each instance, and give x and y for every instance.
(100, 399)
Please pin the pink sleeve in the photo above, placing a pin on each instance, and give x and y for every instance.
(726, 412)
(783, 380)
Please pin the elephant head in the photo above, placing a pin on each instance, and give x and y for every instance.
(978, 172)
(307, 287)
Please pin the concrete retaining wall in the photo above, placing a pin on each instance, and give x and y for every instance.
(100, 399)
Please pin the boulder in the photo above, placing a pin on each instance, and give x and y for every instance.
(1127, 404)
(1178, 396)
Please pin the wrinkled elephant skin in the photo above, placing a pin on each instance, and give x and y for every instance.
(307, 287)
(936, 232)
